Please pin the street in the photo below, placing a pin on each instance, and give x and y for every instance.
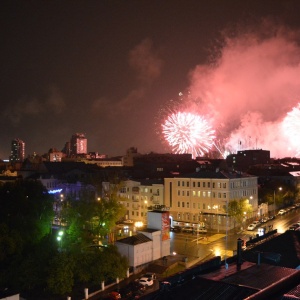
(213, 243)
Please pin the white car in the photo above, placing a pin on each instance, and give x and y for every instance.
(149, 275)
(282, 212)
(256, 223)
(146, 281)
(251, 227)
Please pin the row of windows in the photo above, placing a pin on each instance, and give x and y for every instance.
(209, 194)
(198, 205)
(208, 184)
(203, 194)
(137, 214)
(204, 184)
(125, 190)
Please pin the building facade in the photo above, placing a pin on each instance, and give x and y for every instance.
(78, 144)
(139, 197)
(17, 153)
(202, 197)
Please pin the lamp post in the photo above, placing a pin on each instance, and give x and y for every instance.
(280, 188)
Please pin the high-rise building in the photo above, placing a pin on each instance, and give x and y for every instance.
(78, 144)
(17, 153)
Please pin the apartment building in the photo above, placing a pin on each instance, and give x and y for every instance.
(201, 198)
(140, 196)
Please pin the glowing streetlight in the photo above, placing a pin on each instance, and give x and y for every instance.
(59, 237)
(280, 188)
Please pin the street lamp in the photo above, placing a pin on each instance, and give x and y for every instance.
(59, 238)
(280, 188)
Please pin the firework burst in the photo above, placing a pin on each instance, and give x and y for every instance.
(188, 133)
(291, 128)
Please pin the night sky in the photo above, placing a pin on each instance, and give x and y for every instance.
(106, 68)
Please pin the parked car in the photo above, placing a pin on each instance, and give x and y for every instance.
(146, 281)
(294, 226)
(264, 220)
(282, 212)
(251, 227)
(200, 230)
(150, 275)
(175, 228)
(256, 223)
(187, 229)
(135, 286)
(113, 296)
(125, 292)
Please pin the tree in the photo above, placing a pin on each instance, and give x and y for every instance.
(236, 210)
(60, 280)
(106, 263)
(90, 220)
(26, 207)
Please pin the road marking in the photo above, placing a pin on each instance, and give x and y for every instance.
(210, 239)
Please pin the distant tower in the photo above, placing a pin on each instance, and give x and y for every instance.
(17, 153)
(78, 144)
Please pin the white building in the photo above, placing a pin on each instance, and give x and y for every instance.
(139, 197)
(149, 244)
(201, 198)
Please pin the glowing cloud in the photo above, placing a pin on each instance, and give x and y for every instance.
(251, 86)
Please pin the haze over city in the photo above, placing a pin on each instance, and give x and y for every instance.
(111, 70)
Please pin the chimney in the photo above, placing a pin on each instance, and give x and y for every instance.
(239, 260)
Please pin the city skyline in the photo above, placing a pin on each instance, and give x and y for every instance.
(110, 70)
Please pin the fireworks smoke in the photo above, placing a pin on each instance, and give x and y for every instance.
(250, 87)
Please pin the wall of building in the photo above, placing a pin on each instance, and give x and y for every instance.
(203, 200)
